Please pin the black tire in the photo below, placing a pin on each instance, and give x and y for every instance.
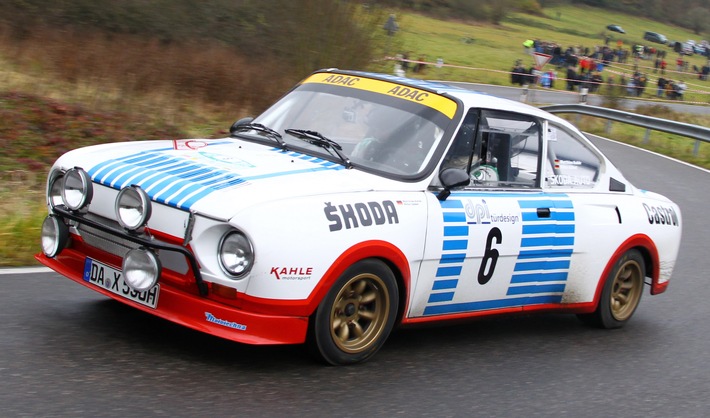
(357, 315)
(621, 294)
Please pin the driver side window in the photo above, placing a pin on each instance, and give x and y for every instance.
(498, 149)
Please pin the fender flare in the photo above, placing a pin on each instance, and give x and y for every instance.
(382, 250)
(650, 255)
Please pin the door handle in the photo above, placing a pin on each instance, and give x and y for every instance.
(543, 212)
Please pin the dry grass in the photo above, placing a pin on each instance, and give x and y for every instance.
(128, 73)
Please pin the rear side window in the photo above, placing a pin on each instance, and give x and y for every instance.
(569, 162)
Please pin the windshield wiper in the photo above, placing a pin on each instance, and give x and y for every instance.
(261, 128)
(316, 138)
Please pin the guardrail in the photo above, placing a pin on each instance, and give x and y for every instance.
(699, 133)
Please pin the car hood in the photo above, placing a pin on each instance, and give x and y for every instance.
(216, 178)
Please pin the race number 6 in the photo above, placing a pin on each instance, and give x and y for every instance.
(485, 272)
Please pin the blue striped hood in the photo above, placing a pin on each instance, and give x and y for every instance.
(212, 177)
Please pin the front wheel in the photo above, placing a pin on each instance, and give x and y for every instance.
(621, 294)
(355, 318)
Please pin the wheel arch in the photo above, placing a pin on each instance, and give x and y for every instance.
(384, 251)
(649, 252)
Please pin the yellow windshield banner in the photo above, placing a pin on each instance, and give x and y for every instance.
(424, 97)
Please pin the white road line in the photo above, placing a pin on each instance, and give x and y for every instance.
(25, 270)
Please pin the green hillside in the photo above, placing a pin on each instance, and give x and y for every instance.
(489, 51)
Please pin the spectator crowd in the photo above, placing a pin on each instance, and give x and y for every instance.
(587, 68)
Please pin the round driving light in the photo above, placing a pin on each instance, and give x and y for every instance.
(133, 208)
(236, 254)
(77, 190)
(54, 194)
(141, 269)
(55, 235)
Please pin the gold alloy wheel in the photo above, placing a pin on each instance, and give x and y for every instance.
(359, 314)
(626, 290)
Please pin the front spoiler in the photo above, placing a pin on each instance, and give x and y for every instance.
(196, 312)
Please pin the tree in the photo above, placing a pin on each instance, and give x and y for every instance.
(698, 20)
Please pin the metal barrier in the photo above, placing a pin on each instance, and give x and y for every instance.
(699, 133)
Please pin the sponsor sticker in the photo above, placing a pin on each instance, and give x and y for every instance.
(424, 97)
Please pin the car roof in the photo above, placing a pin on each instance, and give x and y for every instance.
(469, 98)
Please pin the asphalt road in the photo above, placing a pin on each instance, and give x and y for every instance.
(68, 352)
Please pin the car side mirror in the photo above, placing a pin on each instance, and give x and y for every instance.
(242, 121)
(451, 178)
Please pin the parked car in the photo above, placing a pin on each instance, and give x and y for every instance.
(697, 48)
(655, 37)
(355, 203)
(684, 48)
(615, 28)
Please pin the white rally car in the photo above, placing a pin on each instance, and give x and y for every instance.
(356, 202)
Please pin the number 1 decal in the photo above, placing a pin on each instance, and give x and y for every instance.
(490, 254)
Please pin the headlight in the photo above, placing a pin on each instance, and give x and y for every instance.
(55, 236)
(77, 190)
(54, 192)
(133, 208)
(236, 255)
(141, 269)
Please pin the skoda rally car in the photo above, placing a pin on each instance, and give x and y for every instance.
(355, 203)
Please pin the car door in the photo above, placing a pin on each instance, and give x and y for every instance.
(501, 243)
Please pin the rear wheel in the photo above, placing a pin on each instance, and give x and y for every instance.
(353, 321)
(621, 294)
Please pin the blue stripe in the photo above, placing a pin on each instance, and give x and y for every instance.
(545, 288)
(545, 241)
(546, 203)
(452, 258)
(445, 284)
(148, 171)
(459, 244)
(144, 171)
(542, 265)
(454, 217)
(539, 277)
(181, 178)
(544, 254)
(455, 231)
(441, 297)
(549, 229)
(538, 203)
(448, 271)
(98, 172)
(490, 304)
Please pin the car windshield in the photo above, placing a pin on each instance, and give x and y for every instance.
(376, 131)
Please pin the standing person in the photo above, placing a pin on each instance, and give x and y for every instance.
(528, 46)
(571, 78)
(661, 86)
(670, 89)
(680, 89)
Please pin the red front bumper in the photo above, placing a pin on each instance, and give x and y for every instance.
(194, 311)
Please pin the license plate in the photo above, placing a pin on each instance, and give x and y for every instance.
(111, 279)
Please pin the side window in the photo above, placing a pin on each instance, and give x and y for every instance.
(498, 149)
(569, 162)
